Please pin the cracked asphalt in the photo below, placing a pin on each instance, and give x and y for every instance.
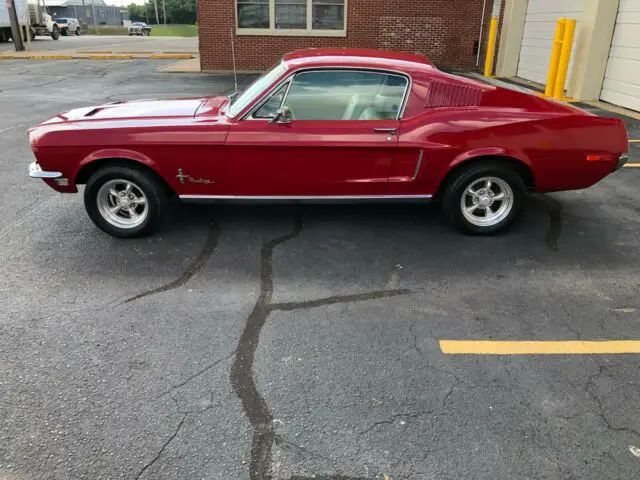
(301, 342)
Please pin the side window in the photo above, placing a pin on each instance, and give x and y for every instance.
(346, 95)
(269, 109)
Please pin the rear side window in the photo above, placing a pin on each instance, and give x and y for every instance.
(346, 95)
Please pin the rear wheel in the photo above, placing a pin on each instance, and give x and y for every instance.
(126, 202)
(484, 198)
(78, 32)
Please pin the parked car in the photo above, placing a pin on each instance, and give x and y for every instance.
(139, 28)
(68, 26)
(329, 125)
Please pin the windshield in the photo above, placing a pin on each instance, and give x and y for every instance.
(255, 89)
(61, 20)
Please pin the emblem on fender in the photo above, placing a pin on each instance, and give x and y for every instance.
(182, 177)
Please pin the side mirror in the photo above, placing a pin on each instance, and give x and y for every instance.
(283, 115)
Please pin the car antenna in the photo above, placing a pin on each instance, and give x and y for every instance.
(233, 59)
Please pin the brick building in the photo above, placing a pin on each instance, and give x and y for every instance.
(446, 31)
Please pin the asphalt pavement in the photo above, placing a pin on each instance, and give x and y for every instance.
(295, 342)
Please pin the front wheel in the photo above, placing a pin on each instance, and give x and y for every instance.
(55, 33)
(126, 202)
(484, 198)
(78, 32)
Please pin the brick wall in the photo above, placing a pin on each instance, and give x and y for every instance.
(443, 30)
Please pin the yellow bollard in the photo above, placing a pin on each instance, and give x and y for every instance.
(491, 46)
(565, 56)
(555, 57)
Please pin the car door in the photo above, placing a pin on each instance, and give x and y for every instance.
(339, 141)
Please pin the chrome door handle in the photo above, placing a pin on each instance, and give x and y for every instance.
(386, 130)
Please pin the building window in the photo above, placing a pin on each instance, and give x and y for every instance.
(291, 17)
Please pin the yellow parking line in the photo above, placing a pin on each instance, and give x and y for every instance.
(633, 165)
(570, 347)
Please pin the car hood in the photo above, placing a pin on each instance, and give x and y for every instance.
(130, 110)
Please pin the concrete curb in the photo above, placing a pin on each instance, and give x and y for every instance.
(100, 56)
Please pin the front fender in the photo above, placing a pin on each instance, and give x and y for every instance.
(115, 153)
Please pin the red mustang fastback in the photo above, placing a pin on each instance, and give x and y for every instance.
(329, 124)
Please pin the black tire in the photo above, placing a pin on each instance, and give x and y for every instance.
(455, 190)
(78, 32)
(55, 33)
(157, 200)
(65, 32)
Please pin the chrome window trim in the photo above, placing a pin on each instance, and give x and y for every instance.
(292, 75)
(266, 100)
(303, 197)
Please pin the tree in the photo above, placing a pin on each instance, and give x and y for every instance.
(181, 11)
(136, 13)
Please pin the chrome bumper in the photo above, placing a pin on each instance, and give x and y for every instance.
(36, 172)
(621, 161)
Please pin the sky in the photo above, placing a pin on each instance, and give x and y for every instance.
(123, 3)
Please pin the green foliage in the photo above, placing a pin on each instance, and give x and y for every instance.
(181, 11)
(178, 11)
(136, 13)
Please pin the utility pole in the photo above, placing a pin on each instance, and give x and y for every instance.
(164, 11)
(15, 26)
(155, 4)
(93, 10)
(146, 12)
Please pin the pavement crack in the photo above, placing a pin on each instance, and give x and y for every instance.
(571, 317)
(197, 374)
(280, 440)
(242, 376)
(242, 381)
(207, 250)
(164, 446)
(392, 419)
(601, 411)
(321, 302)
(326, 477)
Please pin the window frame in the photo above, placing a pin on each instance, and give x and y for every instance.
(289, 78)
(297, 32)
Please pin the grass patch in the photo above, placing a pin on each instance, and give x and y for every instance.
(174, 31)
(107, 30)
(156, 30)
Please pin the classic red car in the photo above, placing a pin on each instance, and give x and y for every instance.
(329, 124)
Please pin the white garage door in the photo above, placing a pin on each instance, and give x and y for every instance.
(622, 79)
(539, 30)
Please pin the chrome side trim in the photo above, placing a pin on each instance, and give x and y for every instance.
(303, 197)
(418, 165)
(35, 171)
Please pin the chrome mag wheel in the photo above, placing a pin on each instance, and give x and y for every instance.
(487, 201)
(122, 203)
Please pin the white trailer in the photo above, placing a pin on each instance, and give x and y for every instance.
(32, 18)
(5, 22)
